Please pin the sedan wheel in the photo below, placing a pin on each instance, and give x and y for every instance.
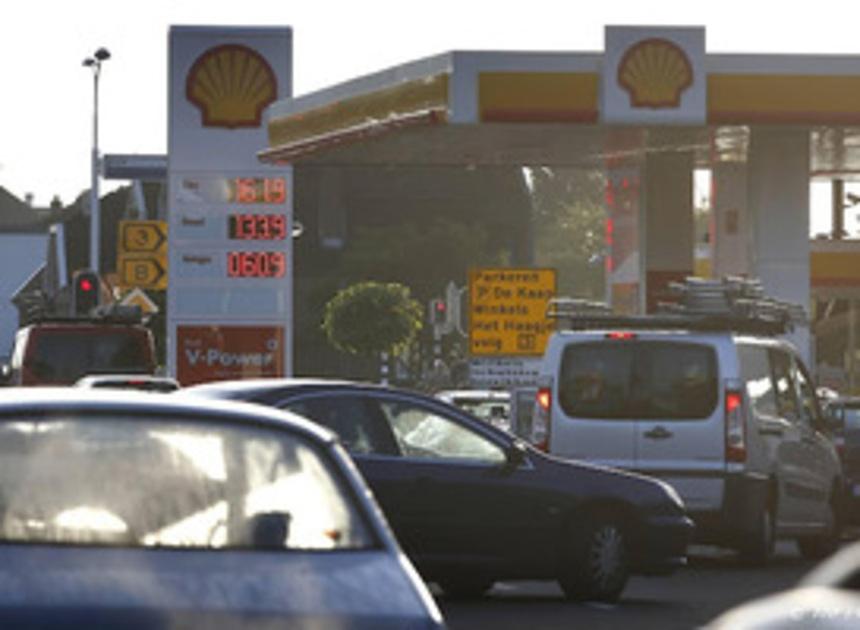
(597, 563)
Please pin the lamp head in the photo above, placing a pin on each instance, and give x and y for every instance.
(89, 61)
(102, 53)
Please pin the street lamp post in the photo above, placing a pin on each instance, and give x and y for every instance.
(95, 63)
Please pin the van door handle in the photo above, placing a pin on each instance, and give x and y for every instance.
(658, 433)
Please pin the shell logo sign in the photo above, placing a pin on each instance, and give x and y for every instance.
(655, 72)
(231, 85)
(654, 76)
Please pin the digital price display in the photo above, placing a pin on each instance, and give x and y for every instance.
(257, 227)
(252, 190)
(256, 264)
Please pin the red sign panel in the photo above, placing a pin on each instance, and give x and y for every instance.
(217, 353)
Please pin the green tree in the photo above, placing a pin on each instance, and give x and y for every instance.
(372, 317)
(570, 228)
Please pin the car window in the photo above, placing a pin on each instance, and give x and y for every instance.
(65, 356)
(674, 380)
(758, 378)
(647, 379)
(425, 433)
(160, 483)
(784, 386)
(356, 422)
(806, 394)
(595, 380)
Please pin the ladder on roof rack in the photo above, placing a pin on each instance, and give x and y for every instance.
(733, 303)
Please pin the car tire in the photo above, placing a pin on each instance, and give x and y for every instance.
(819, 547)
(465, 587)
(758, 545)
(597, 561)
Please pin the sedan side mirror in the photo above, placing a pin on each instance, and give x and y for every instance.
(515, 455)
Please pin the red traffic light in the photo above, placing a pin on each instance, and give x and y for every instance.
(85, 296)
(438, 312)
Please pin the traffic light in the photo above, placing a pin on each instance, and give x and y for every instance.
(85, 292)
(438, 312)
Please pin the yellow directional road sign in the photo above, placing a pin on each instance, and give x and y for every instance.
(142, 272)
(136, 297)
(507, 311)
(142, 254)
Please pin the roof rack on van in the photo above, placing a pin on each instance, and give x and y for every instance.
(104, 314)
(732, 303)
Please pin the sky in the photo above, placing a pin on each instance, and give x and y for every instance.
(47, 101)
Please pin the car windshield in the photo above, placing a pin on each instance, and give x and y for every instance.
(65, 356)
(170, 483)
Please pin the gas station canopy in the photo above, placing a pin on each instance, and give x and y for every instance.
(506, 108)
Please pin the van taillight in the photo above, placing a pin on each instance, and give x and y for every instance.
(544, 398)
(541, 419)
(736, 442)
(619, 335)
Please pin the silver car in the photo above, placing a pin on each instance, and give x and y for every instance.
(123, 509)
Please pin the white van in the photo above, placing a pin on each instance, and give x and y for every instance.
(717, 405)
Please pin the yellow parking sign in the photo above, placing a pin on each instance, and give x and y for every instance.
(507, 311)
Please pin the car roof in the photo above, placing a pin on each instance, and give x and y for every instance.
(243, 387)
(77, 324)
(643, 332)
(724, 338)
(58, 400)
(262, 388)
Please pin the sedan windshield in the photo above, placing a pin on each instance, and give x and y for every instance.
(161, 483)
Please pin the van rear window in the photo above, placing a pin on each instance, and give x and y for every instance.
(638, 380)
(64, 356)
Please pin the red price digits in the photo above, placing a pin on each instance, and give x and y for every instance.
(275, 190)
(256, 264)
(278, 226)
(246, 190)
(268, 227)
(260, 190)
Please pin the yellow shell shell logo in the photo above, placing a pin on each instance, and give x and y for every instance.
(654, 73)
(231, 85)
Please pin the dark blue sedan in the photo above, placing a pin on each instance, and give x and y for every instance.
(472, 504)
(128, 510)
